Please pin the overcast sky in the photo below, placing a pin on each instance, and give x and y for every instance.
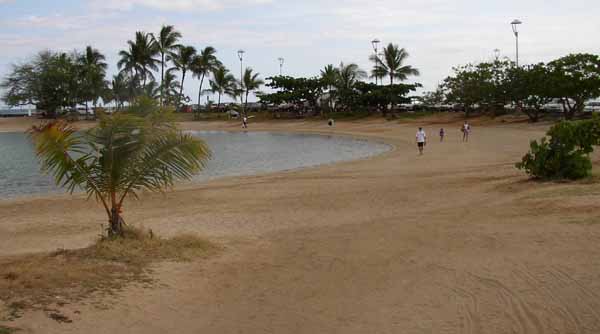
(309, 34)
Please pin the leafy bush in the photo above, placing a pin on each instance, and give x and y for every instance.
(565, 155)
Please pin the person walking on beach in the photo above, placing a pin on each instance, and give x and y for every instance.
(442, 134)
(245, 122)
(421, 140)
(466, 129)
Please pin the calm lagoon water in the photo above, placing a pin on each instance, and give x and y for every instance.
(233, 154)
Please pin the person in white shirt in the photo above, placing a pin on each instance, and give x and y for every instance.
(421, 140)
(466, 130)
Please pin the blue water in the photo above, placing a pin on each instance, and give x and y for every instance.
(233, 154)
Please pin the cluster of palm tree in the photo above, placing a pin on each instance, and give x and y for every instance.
(341, 80)
(149, 53)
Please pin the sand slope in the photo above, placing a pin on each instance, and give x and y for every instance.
(455, 241)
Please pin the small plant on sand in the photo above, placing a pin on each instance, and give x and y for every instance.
(565, 154)
(48, 281)
(123, 155)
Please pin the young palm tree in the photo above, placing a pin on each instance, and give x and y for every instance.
(122, 156)
(392, 64)
(166, 45)
(222, 82)
(250, 83)
(204, 64)
(184, 60)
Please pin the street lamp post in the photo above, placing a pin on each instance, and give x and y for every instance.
(515, 23)
(281, 60)
(241, 57)
(375, 44)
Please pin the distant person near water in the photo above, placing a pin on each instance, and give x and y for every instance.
(245, 122)
(466, 130)
(331, 122)
(421, 140)
(442, 134)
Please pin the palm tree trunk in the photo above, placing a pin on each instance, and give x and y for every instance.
(162, 77)
(116, 224)
(200, 91)
(181, 88)
(246, 104)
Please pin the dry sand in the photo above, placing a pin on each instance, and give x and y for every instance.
(455, 241)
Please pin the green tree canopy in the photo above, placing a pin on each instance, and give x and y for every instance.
(575, 78)
(296, 91)
(50, 81)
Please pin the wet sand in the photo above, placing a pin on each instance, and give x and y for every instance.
(455, 241)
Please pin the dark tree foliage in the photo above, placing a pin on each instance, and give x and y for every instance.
(575, 79)
(530, 88)
(564, 153)
(371, 96)
(484, 85)
(50, 81)
(572, 80)
(296, 91)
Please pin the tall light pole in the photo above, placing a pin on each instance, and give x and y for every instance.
(281, 60)
(240, 54)
(375, 44)
(515, 23)
(241, 57)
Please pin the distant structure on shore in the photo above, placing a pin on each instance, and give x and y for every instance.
(22, 112)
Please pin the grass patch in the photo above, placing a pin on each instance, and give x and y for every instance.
(8, 330)
(50, 280)
(584, 221)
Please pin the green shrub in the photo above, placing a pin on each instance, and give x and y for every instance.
(565, 155)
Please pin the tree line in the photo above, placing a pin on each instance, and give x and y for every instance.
(343, 88)
(157, 66)
(56, 81)
(490, 86)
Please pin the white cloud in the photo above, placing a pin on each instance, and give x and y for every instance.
(175, 5)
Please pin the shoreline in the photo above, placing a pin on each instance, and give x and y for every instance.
(190, 185)
(450, 239)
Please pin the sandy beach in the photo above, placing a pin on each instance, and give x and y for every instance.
(454, 241)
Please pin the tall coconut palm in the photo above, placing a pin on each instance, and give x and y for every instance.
(392, 64)
(250, 83)
(166, 45)
(205, 63)
(93, 68)
(184, 60)
(377, 71)
(170, 86)
(119, 158)
(120, 89)
(139, 58)
(329, 75)
(222, 82)
(348, 75)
